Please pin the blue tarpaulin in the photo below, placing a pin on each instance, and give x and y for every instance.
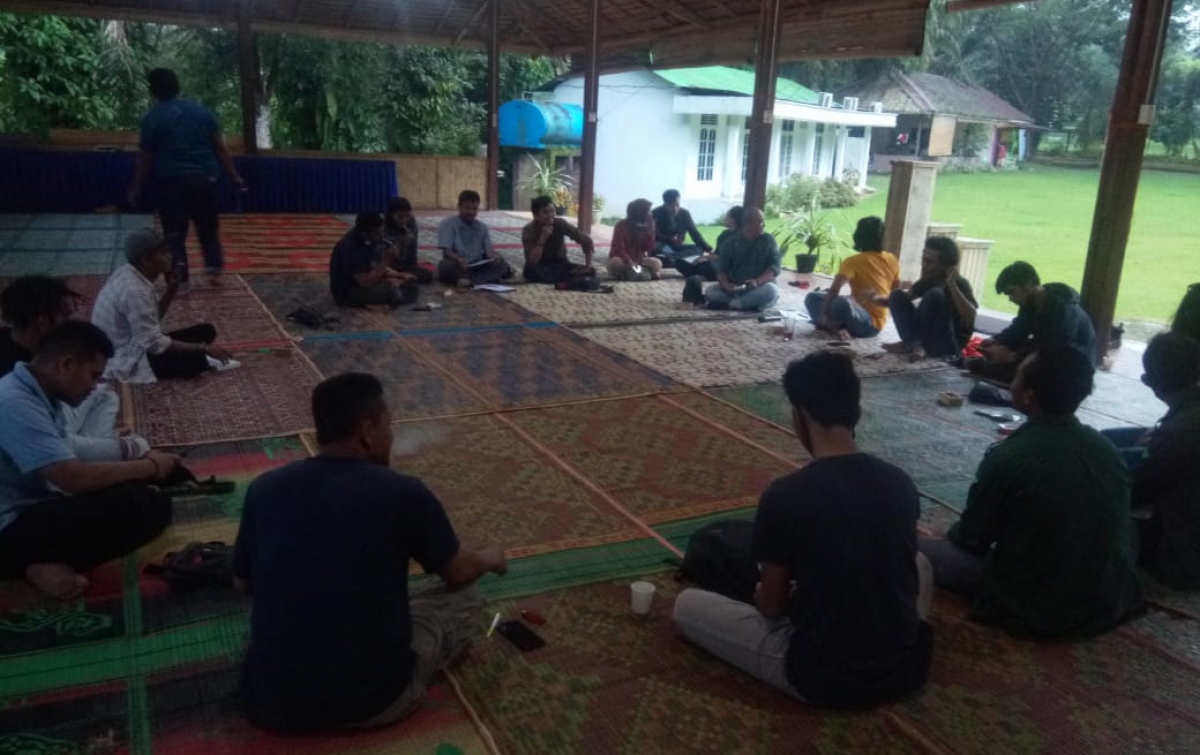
(35, 181)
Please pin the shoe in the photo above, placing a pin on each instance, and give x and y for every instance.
(693, 290)
(219, 366)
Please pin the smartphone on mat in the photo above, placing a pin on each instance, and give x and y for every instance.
(520, 635)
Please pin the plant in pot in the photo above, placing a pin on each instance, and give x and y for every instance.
(545, 180)
(810, 230)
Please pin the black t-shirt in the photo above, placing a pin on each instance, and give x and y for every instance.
(962, 331)
(845, 526)
(10, 352)
(326, 543)
(352, 255)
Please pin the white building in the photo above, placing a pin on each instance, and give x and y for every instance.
(687, 129)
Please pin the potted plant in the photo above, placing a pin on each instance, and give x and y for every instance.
(545, 180)
(813, 230)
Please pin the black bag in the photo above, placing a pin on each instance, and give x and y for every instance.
(308, 317)
(719, 559)
(196, 565)
(986, 393)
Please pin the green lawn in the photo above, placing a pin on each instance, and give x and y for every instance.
(1044, 216)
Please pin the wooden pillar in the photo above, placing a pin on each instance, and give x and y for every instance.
(493, 108)
(762, 115)
(248, 77)
(591, 99)
(1129, 124)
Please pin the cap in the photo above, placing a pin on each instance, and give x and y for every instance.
(141, 243)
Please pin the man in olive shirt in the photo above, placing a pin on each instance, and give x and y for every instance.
(1043, 544)
(747, 265)
(546, 260)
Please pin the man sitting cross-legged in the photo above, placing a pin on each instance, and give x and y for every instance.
(358, 276)
(1049, 315)
(1043, 544)
(545, 245)
(60, 516)
(872, 275)
(468, 256)
(747, 264)
(129, 311)
(336, 639)
(34, 305)
(838, 614)
(402, 235)
(941, 324)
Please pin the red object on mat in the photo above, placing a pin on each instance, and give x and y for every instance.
(972, 348)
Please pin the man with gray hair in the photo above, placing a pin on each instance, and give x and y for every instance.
(747, 265)
(130, 312)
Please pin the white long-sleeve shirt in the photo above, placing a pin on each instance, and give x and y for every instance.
(127, 310)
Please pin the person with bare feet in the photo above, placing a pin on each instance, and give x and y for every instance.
(942, 323)
(872, 274)
(339, 639)
(59, 516)
(469, 258)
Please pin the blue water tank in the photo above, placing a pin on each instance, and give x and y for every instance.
(536, 125)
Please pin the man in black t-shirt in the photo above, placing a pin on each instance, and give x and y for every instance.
(942, 323)
(672, 226)
(336, 639)
(544, 241)
(838, 614)
(357, 275)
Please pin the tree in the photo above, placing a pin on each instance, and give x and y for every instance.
(1177, 124)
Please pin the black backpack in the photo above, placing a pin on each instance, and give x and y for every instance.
(196, 565)
(719, 559)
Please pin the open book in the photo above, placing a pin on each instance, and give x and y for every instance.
(484, 261)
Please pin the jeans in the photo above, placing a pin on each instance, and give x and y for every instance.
(843, 313)
(183, 198)
(179, 364)
(1126, 440)
(929, 324)
(738, 634)
(83, 530)
(954, 569)
(443, 625)
(755, 299)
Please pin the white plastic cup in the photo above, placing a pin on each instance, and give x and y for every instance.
(789, 324)
(641, 595)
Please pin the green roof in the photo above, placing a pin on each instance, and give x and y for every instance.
(733, 80)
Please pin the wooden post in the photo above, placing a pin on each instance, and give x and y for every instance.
(493, 106)
(909, 206)
(248, 77)
(1128, 126)
(762, 115)
(591, 100)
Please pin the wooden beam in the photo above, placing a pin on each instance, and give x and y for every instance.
(493, 106)
(247, 78)
(473, 20)
(683, 14)
(445, 14)
(1130, 119)
(591, 120)
(958, 6)
(766, 66)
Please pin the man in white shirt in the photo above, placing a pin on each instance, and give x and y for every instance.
(468, 256)
(129, 311)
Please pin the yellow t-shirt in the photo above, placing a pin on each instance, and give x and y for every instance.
(871, 274)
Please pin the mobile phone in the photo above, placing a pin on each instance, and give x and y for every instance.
(770, 318)
(520, 635)
(997, 415)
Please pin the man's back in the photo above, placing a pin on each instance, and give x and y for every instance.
(846, 528)
(351, 255)
(180, 134)
(1168, 483)
(325, 543)
(1054, 499)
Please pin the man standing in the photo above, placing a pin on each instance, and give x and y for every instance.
(182, 143)
(546, 259)
(1043, 544)
(468, 257)
(358, 276)
(672, 225)
(129, 311)
(336, 639)
(61, 516)
(35, 305)
(942, 323)
(1049, 315)
(747, 265)
(838, 614)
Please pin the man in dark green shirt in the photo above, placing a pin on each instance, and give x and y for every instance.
(1043, 544)
(747, 265)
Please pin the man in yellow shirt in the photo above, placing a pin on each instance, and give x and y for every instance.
(872, 274)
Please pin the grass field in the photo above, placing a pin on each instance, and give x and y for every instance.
(1044, 216)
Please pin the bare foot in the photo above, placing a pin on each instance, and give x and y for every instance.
(916, 355)
(896, 347)
(56, 580)
(843, 334)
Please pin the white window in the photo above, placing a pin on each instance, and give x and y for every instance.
(788, 131)
(745, 149)
(708, 148)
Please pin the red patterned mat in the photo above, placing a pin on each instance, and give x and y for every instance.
(610, 682)
(241, 321)
(268, 396)
(274, 243)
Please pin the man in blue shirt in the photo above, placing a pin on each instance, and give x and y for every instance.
(60, 516)
(468, 257)
(181, 141)
(337, 640)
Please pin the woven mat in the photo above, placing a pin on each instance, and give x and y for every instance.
(739, 352)
(610, 682)
(268, 396)
(274, 243)
(241, 321)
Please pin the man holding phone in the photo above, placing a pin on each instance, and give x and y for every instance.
(337, 639)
